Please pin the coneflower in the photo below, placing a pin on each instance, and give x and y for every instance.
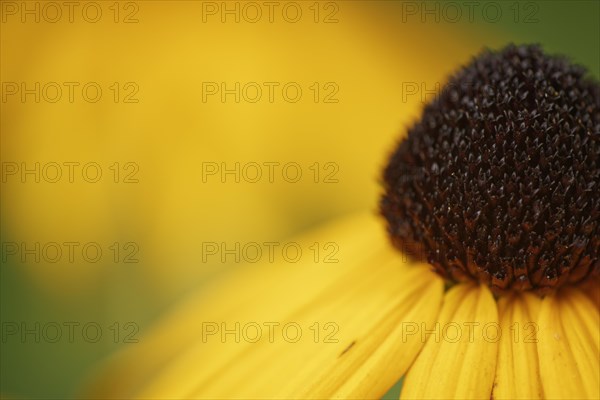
(495, 189)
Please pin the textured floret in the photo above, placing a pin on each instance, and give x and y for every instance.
(500, 179)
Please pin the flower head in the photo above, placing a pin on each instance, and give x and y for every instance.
(501, 192)
(503, 174)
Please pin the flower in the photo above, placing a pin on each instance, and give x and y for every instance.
(501, 201)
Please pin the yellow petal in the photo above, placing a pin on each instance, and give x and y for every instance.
(368, 310)
(355, 350)
(392, 356)
(240, 293)
(568, 347)
(517, 372)
(459, 358)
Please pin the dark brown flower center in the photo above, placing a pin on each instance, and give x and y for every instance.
(500, 179)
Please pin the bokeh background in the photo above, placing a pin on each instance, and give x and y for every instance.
(365, 69)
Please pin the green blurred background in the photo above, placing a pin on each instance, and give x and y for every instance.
(369, 50)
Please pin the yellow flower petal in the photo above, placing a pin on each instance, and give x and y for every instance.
(240, 293)
(517, 372)
(459, 358)
(356, 350)
(568, 347)
(368, 359)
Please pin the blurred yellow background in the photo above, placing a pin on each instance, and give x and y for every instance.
(163, 131)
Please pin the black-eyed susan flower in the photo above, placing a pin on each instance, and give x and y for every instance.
(497, 187)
